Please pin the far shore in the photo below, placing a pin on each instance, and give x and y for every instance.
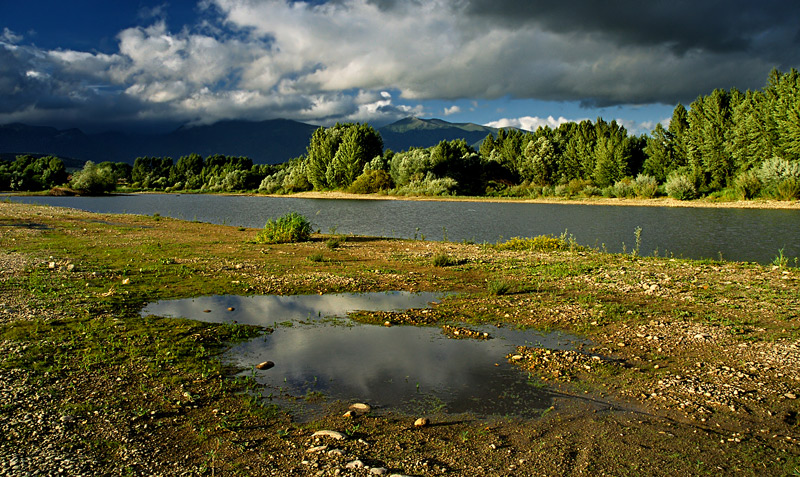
(657, 202)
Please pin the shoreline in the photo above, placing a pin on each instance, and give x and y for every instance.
(659, 202)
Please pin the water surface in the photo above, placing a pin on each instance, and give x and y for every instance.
(733, 234)
(414, 369)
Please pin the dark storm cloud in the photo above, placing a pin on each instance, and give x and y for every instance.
(715, 26)
(350, 59)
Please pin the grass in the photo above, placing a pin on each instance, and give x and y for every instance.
(83, 338)
(443, 260)
(289, 228)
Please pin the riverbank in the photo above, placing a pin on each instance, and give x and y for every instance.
(689, 371)
(655, 202)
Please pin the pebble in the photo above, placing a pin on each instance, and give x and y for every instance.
(265, 365)
(422, 422)
(360, 408)
(332, 434)
(356, 464)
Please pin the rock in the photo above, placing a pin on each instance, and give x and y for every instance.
(790, 396)
(126, 281)
(378, 471)
(422, 422)
(356, 464)
(315, 449)
(516, 357)
(51, 265)
(265, 365)
(360, 408)
(332, 434)
(230, 308)
(70, 267)
(206, 311)
(350, 413)
(338, 452)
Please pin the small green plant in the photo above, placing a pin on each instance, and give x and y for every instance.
(443, 260)
(292, 227)
(780, 260)
(637, 233)
(540, 242)
(333, 243)
(499, 287)
(316, 258)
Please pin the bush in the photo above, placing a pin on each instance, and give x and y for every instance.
(680, 186)
(747, 185)
(624, 188)
(540, 242)
(775, 172)
(371, 182)
(645, 186)
(292, 227)
(788, 189)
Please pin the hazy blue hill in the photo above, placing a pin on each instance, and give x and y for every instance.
(272, 141)
(416, 132)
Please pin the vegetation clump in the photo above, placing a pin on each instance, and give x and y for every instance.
(540, 242)
(292, 227)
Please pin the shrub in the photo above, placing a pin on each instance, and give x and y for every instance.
(371, 182)
(577, 186)
(624, 188)
(747, 185)
(775, 171)
(540, 242)
(680, 186)
(591, 191)
(645, 186)
(292, 227)
(788, 189)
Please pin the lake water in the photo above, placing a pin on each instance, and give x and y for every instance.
(734, 234)
(409, 368)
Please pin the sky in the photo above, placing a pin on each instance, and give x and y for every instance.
(152, 66)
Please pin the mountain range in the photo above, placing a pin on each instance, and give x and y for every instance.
(265, 142)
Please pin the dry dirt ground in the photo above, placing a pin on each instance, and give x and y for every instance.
(693, 367)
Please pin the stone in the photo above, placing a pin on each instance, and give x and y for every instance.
(360, 408)
(356, 464)
(790, 396)
(378, 471)
(332, 434)
(51, 265)
(230, 308)
(422, 422)
(316, 449)
(350, 413)
(265, 365)
(126, 281)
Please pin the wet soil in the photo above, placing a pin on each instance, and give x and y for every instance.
(692, 367)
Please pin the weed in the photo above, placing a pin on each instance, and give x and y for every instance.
(637, 233)
(333, 243)
(499, 287)
(316, 258)
(443, 260)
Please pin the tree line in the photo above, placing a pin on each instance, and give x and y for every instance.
(727, 144)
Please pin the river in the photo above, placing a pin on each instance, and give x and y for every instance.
(728, 233)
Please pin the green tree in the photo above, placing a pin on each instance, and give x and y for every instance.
(93, 179)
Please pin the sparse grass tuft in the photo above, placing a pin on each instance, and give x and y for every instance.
(499, 287)
(443, 260)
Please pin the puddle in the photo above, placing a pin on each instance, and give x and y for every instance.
(320, 355)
